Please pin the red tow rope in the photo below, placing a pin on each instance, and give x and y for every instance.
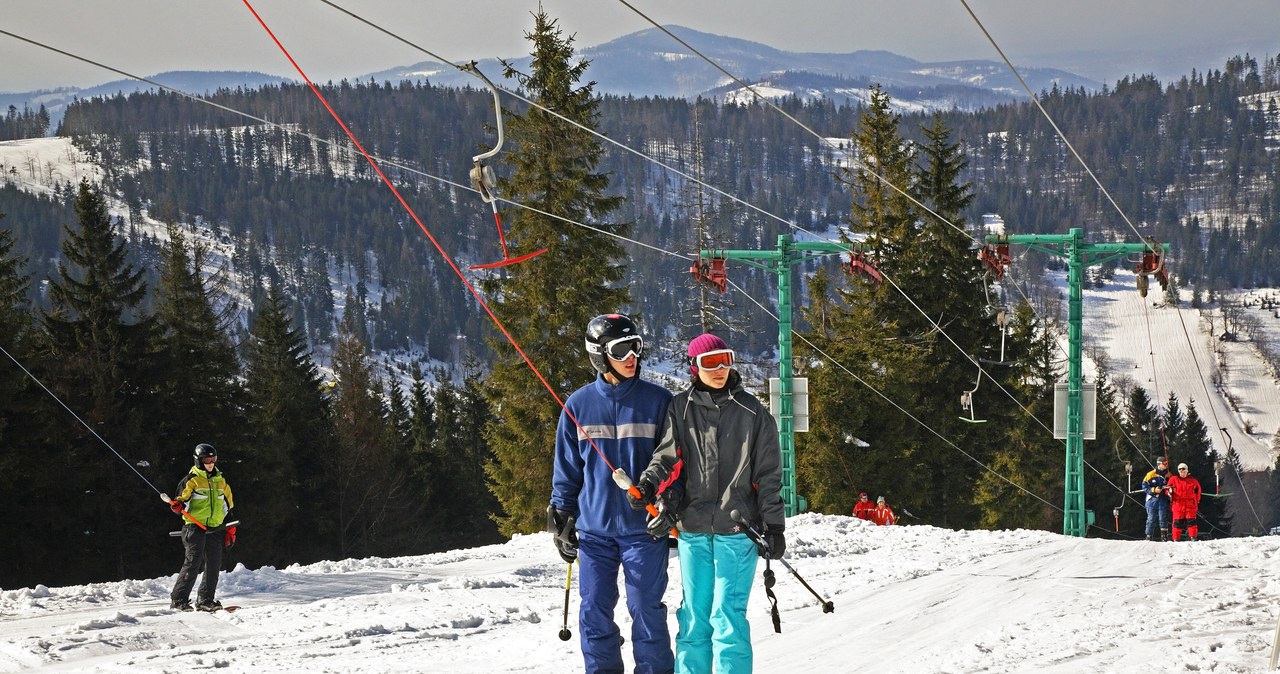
(631, 489)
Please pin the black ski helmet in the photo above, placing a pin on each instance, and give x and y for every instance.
(604, 329)
(202, 450)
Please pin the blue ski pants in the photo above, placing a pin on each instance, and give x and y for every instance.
(717, 571)
(1159, 513)
(643, 562)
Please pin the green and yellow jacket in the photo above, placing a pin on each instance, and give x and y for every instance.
(207, 495)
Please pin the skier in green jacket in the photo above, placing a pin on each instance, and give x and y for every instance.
(204, 500)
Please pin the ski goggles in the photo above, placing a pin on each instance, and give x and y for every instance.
(714, 360)
(624, 347)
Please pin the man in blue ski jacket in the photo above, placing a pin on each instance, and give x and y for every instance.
(1159, 508)
(618, 422)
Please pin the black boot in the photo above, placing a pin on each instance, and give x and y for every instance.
(1164, 535)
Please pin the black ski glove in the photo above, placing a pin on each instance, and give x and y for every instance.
(646, 495)
(774, 542)
(564, 533)
(661, 524)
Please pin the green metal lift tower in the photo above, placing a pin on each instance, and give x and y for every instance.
(1079, 255)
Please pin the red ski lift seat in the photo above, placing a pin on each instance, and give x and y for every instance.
(996, 259)
(711, 273)
(861, 265)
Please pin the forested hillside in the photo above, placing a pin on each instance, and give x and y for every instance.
(1195, 161)
(1188, 160)
(141, 331)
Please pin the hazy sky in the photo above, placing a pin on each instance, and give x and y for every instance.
(1103, 39)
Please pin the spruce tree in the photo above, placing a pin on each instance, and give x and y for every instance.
(553, 170)
(460, 455)
(939, 272)
(432, 482)
(442, 459)
(101, 366)
(200, 390)
(1024, 453)
(887, 334)
(1172, 428)
(1144, 426)
(15, 334)
(290, 441)
(377, 510)
(847, 417)
(24, 412)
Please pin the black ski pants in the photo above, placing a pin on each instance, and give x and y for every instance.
(203, 553)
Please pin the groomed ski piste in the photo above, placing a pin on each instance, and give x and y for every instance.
(907, 599)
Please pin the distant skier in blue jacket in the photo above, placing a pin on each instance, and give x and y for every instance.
(1159, 507)
(590, 517)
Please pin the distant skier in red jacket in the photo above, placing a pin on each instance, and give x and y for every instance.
(883, 514)
(1186, 503)
(862, 509)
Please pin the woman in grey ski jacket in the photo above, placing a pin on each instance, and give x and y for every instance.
(722, 444)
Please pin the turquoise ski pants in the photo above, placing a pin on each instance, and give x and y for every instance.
(717, 571)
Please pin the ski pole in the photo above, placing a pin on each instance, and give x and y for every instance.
(769, 579)
(827, 606)
(564, 628)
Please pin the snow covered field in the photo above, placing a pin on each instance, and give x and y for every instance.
(908, 599)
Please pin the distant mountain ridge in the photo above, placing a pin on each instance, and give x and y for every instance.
(196, 82)
(650, 63)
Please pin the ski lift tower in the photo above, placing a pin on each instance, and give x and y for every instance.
(1080, 255)
(710, 269)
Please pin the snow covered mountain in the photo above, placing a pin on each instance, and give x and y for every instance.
(650, 63)
(908, 599)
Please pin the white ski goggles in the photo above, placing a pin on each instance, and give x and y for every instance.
(719, 359)
(623, 348)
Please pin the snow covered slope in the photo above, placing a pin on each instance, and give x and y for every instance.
(907, 599)
(1165, 349)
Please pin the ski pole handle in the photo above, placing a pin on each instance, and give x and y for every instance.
(754, 535)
